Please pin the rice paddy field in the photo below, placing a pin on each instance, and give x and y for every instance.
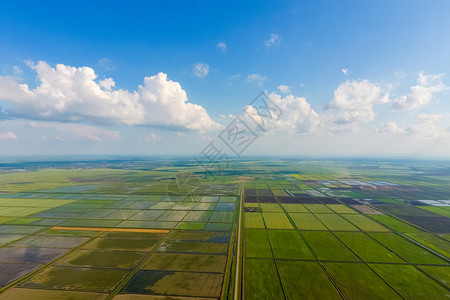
(261, 229)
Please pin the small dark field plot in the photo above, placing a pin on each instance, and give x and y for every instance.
(38, 294)
(284, 199)
(12, 271)
(30, 255)
(348, 201)
(267, 199)
(326, 200)
(186, 262)
(437, 224)
(101, 258)
(68, 278)
(175, 283)
(51, 242)
(251, 199)
(122, 243)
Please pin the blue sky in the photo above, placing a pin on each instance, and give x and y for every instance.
(365, 78)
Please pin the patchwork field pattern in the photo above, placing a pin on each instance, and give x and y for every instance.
(167, 230)
(97, 245)
(335, 241)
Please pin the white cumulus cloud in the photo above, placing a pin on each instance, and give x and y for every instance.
(107, 84)
(296, 116)
(200, 69)
(71, 94)
(422, 93)
(353, 104)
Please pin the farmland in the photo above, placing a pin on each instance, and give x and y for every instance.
(165, 229)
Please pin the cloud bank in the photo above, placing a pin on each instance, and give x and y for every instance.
(75, 94)
(357, 102)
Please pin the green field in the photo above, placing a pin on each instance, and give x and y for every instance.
(439, 273)
(407, 250)
(257, 244)
(433, 242)
(367, 248)
(327, 247)
(288, 244)
(305, 280)
(351, 277)
(410, 282)
(262, 281)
